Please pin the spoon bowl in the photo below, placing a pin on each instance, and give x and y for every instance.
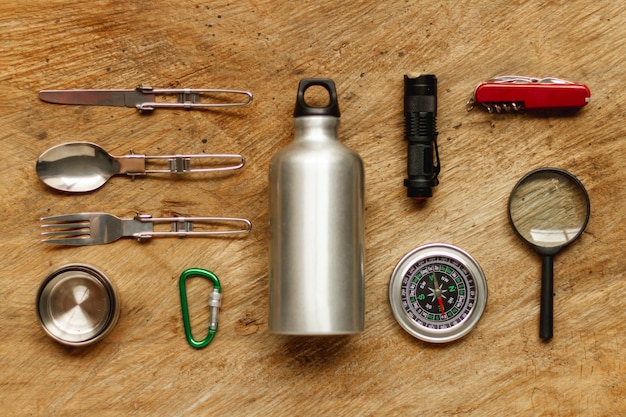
(76, 167)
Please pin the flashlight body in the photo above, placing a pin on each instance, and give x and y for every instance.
(420, 117)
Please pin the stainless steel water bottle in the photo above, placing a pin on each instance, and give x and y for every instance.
(317, 231)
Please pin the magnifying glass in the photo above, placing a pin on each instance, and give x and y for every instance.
(549, 209)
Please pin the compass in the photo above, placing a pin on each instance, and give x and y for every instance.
(438, 293)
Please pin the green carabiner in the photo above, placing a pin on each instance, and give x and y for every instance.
(215, 299)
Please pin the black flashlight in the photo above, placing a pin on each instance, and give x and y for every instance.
(420, 118)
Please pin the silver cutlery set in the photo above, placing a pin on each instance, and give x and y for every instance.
(79, 167)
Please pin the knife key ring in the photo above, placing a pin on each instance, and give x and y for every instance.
(143, 98)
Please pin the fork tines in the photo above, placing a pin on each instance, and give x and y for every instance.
(67, 229)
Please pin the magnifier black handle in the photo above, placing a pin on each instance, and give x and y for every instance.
(547, 298)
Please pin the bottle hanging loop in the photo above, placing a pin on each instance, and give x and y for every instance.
(215, 300)
(304, 109)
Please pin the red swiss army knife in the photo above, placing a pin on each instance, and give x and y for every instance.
(514, 93)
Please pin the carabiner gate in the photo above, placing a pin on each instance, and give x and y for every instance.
(215, 300)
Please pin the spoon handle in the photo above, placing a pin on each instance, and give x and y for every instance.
(131, 164)
(179, 164)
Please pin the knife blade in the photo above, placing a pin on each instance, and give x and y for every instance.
(123, 98)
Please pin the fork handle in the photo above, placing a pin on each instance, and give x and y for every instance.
(184, 226)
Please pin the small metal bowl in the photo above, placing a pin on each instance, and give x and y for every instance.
(77, 305)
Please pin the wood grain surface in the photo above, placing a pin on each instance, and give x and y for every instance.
(145, 366)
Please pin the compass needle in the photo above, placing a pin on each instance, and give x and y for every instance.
(438, 296)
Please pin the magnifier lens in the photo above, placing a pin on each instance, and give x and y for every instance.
(549, 208)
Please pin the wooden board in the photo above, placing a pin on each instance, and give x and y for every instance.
(145, 366)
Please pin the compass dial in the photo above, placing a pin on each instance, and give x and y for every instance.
(438, 293)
